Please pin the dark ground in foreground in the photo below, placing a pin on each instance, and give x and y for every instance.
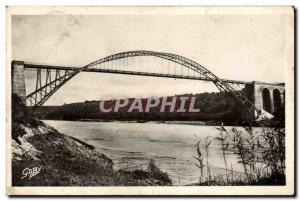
(64, 160)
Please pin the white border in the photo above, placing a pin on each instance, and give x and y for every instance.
(165, 190)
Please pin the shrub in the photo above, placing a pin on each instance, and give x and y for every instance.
(261, 153)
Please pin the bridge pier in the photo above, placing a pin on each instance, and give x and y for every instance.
(18, 80)
(265, 96)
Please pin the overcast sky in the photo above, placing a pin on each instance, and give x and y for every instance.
(238, 47)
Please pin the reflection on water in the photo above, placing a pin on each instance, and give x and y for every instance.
(133, 145)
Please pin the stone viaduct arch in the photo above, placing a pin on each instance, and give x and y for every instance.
(267, 96)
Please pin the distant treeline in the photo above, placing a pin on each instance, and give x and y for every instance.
(213, 107)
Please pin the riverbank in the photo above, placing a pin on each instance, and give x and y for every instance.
(132, 145)
(87, 153)
(199, 123)
(215, 107)
(202, 123)
(41, 156)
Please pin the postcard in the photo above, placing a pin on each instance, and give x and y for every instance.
(142, 101)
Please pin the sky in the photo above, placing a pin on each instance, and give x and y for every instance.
(237, 47)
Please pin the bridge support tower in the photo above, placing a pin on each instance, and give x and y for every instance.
(265, 96)
(18, 80)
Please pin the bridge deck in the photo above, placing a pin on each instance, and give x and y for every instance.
(98, 70)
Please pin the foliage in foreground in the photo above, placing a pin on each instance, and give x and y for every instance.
(261, 154)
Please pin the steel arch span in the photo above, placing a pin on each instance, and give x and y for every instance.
(43, 93)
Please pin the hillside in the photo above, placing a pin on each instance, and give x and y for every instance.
(41, 156)
(213, 107)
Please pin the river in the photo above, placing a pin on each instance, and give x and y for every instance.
(133, 145)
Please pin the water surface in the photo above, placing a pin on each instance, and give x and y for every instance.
(133, 145)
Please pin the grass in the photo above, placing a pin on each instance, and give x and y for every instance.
(261, 153)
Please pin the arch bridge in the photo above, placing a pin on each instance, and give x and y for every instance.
(141, 63)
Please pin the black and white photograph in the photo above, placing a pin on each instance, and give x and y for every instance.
(150, 100)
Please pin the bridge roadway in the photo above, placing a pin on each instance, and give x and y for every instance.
(31, 66)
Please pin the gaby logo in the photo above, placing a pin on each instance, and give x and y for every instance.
(30, 172)
(173, 104)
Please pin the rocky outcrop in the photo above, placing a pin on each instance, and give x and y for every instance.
(63, 160)
(41, 156)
